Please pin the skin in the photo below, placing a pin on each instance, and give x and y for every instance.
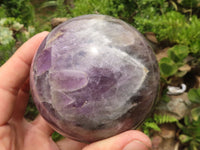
(18, 134)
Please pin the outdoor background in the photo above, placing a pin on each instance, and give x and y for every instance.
(172, 27)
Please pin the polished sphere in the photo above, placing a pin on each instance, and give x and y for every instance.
(93, 77)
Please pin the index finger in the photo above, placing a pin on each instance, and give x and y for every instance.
(14, 73)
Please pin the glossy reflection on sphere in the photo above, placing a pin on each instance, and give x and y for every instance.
(93, 77)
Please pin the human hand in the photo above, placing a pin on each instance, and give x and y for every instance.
(18, 134)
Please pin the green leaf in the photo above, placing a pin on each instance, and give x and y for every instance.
(146, 131)
(56, 136)
(165, 98)
(167, 67)
(195, 112)
(194, 95)
(161, 119)
(187, 120)
(194, 145)
(181, 126)
(49, 4)
(178, 53)
(2, 12)
(189, 3)
(152, 125)
(184, 138)
(195, 47)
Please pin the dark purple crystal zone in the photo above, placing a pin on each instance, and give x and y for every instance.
(94, 77)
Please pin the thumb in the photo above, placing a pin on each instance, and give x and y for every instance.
(129, 140)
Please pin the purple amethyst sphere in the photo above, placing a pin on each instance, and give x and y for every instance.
(93, 77)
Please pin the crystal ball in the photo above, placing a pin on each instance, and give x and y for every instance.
(94, 76)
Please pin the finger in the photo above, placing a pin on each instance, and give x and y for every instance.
(42, 125)
(14, 73)
(130, 140)
(68, 144)
(21, 102)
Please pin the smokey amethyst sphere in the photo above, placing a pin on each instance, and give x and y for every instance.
(93, 77)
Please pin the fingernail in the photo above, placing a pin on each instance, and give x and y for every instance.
(136, 145)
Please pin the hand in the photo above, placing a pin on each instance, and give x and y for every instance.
(18, 134)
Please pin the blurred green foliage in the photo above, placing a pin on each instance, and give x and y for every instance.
(11, 31)
(194, 95)
(31, 110)
(61, 8)
(167, 67)
(56, 136)
(118, 8)
(190, 133)
(21, 10)
(176, 56)
(174, 27)
(15, 18)
(190, 128)
(154, 122)
(7, 41)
